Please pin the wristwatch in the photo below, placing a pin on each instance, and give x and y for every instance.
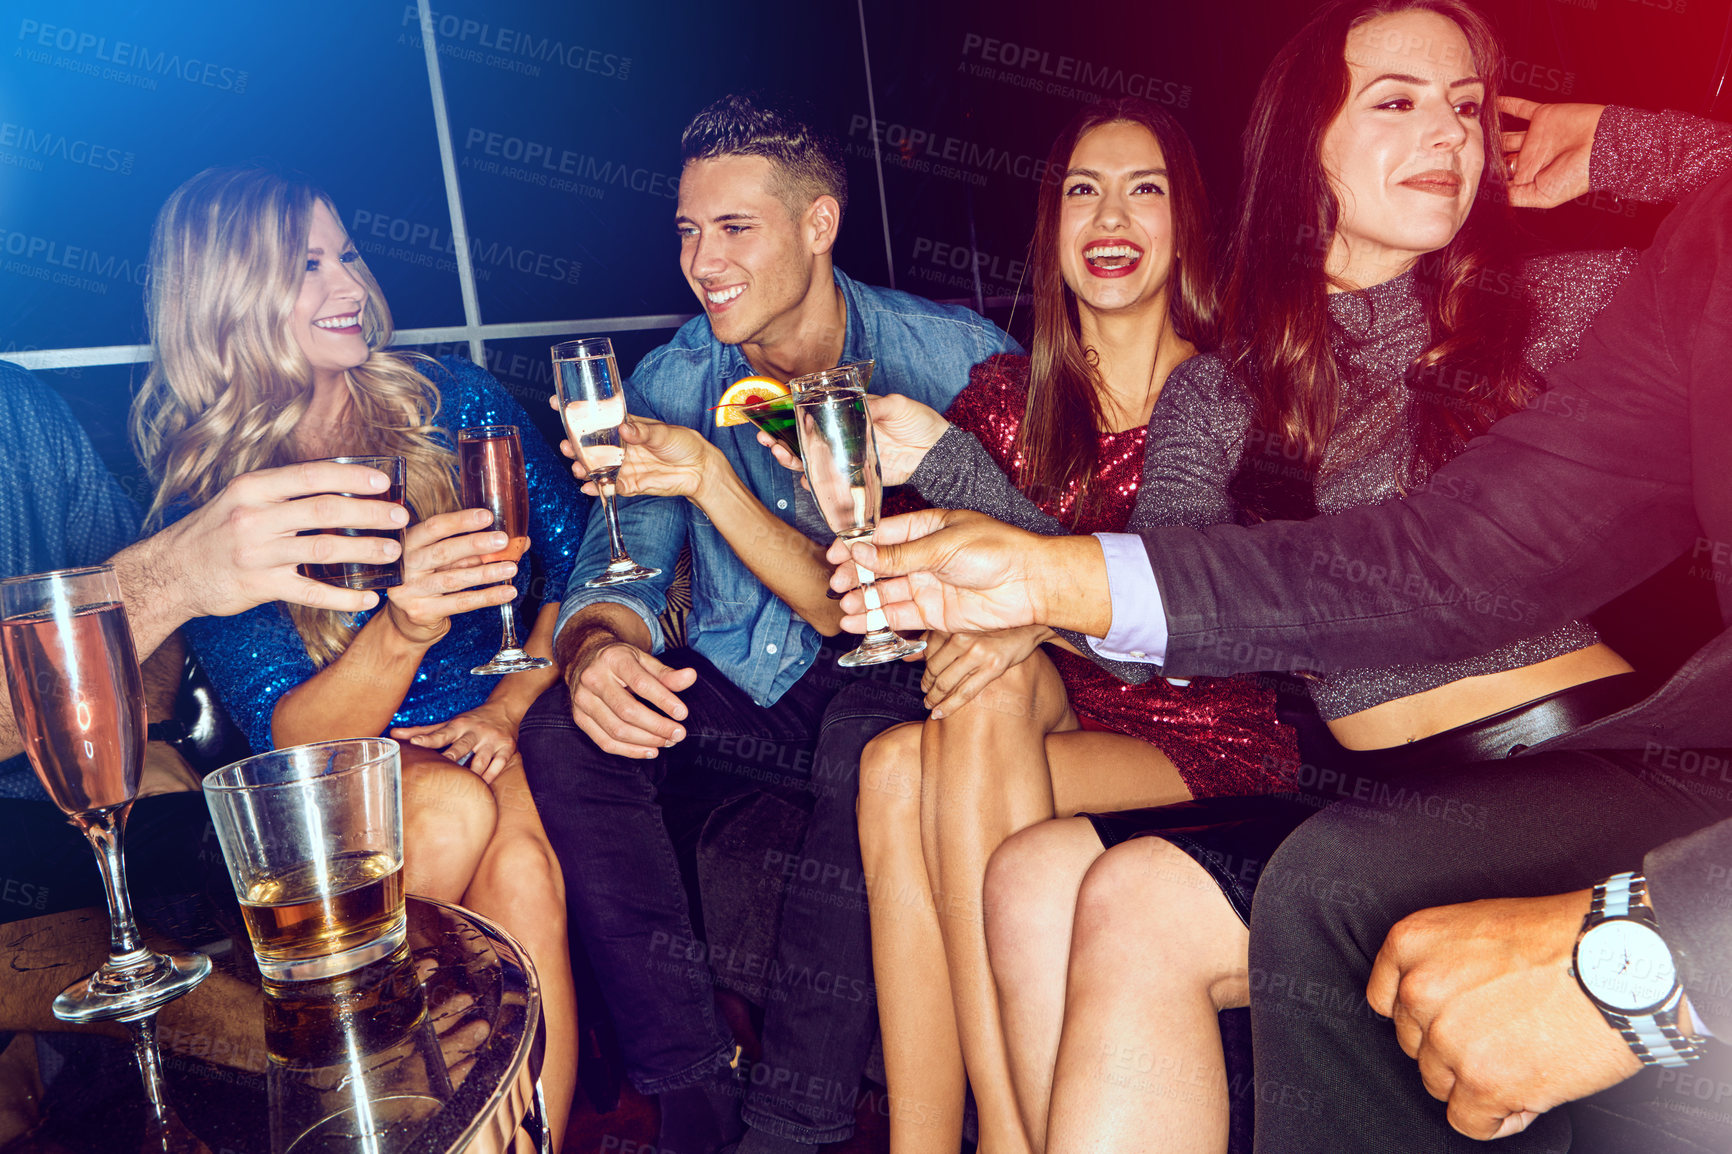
(1625, 968)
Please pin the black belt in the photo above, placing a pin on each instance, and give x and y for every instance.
(1507, 733)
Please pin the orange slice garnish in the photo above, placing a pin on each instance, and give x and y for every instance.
(743, 392)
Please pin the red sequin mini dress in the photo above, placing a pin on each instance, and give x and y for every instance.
(1220, 732)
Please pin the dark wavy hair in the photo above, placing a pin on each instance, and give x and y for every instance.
(1275, 310)
(808, 160)
(1058, 440)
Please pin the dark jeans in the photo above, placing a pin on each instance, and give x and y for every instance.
(1330, 1075)
(628, 905)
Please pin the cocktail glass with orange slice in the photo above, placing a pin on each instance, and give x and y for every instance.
(775, 417)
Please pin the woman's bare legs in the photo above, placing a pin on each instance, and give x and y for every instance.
(922, 1057)
(448, 819)
(1156, 953)
(518, 884)
(986, 780)
(1031, 891)
(985, 776)
(918, 910)
(928, 824)
(1030, 896)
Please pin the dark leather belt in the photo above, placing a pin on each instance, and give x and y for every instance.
(1507, 733)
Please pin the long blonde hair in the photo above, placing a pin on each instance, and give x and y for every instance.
(228, 383)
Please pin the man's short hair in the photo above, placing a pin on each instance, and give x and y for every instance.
(808, 161)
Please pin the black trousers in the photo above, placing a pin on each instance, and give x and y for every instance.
(1330, 1076)
(624, 892)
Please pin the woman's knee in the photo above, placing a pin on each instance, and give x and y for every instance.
(1149, 900)
(447, 811)
(888, 805)
(520, 862)
(1030, 886)
(1028, 694)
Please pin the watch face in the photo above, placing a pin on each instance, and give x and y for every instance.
(1626, 966)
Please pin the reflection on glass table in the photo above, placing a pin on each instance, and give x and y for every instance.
(432, 1049)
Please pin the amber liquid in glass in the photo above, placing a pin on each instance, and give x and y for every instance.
(358, 574)
(302, 915)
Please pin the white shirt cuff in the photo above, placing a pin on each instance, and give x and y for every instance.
(1139, 631)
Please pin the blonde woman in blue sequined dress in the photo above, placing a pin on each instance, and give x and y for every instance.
(269, 338)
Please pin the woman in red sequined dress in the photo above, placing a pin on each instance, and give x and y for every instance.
(1021, 730)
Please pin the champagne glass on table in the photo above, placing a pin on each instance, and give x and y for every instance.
(592, 405)
(79, 702)
(841, 462)
(490, 458)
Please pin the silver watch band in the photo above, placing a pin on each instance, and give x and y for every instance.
(1655, 1038)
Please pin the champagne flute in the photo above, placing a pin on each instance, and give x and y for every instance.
(490, 458)
(592, 404)
(841, 462)
(79, 701)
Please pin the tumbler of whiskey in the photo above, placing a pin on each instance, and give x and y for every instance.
(313, 839)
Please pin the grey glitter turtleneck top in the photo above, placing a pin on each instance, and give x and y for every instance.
(1199, 425)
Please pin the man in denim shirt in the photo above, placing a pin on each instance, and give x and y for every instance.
(747, 702)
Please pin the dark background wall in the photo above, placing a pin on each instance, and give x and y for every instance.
(564, 120)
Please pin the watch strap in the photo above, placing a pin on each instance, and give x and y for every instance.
(1656, 1042)
(1654, 1038)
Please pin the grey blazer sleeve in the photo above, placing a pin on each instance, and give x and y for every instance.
(1558, 509)
(1690, 888)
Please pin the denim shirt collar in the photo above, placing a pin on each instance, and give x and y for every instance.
(856, 342)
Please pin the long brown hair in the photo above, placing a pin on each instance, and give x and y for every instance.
(1058, 441)
(228, 383)
(1275, 309)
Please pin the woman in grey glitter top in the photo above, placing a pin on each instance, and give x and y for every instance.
(1375, 323)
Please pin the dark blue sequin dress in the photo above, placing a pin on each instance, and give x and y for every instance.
(257, 656)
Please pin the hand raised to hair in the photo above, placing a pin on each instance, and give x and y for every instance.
(1549, 159)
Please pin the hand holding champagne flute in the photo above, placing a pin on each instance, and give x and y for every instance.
(490, 458)
(592, 405)
(841, 465)
(79, 701)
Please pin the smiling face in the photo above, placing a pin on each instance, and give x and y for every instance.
(1115, 229)
(327, 319)
(751, 260)
(1405, 153)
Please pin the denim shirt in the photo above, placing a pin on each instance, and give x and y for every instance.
(924, 350)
